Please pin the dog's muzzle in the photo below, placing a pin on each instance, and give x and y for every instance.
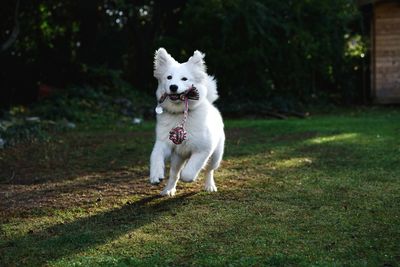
(192, 93)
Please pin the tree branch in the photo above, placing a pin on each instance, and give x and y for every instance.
(15, 32)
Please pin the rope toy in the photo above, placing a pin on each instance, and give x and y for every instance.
(178, 134)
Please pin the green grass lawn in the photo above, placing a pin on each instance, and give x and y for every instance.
(321, 191)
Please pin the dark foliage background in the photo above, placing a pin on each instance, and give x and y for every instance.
(266, 54)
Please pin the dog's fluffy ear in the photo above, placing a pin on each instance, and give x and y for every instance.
(161, 61)
(198, 64)
(197, 60)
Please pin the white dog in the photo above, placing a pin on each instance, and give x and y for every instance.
(204, 144)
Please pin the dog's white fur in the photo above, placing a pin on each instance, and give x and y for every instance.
(204, 145)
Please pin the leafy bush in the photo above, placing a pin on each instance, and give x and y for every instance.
(266, 51)
(17, 126)
(105, 97)
(20, 130)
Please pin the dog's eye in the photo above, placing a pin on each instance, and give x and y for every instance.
(184, 79)
(169, 77)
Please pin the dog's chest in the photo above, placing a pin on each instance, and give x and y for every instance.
(195, 133)
(185, 149)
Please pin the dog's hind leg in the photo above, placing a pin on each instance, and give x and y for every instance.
(212, 165)
(194, 165)
(176, 166)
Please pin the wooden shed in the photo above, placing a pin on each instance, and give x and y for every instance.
(384, 19)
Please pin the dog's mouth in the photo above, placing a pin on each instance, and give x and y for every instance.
(174, 97)
(190, 94)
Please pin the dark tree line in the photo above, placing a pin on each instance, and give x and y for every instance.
(263, 52)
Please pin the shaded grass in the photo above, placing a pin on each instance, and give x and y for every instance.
(322, 191)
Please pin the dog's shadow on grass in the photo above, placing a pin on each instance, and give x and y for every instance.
(65, 239)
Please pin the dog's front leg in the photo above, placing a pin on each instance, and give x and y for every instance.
(157, 161)
(196, 162)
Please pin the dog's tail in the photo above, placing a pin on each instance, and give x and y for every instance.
(212, 93)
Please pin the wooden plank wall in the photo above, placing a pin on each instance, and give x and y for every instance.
(386, 63)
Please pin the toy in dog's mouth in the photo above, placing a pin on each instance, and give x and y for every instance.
(178, 134)
(192, 93)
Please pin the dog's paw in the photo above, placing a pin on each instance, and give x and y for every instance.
(210, 188)
(156, 180)
(168, 192)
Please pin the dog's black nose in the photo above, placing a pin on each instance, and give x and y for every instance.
(173, 88)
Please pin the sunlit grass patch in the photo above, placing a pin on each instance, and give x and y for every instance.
(345, 137)
(294, 162)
